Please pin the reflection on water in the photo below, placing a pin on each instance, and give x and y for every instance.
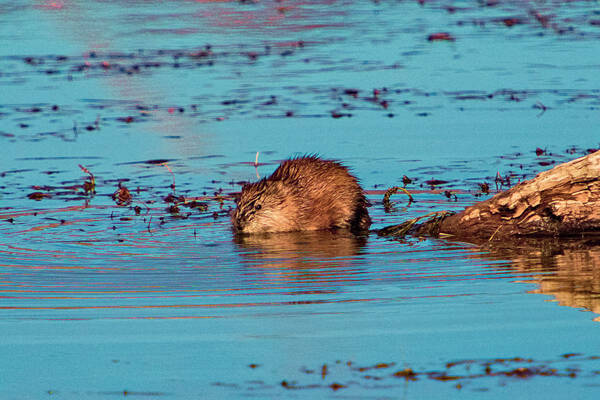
(567, 270)
(323, 260)
(302, 246)
(172, 271)
(576, 282)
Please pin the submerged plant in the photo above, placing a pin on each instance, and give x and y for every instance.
(89, 186)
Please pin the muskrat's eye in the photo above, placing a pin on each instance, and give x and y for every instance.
(257, 207)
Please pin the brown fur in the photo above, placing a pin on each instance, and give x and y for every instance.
(303, 194)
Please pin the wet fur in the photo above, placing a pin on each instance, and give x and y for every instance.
(305, 193)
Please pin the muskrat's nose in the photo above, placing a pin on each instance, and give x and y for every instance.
(238, 223)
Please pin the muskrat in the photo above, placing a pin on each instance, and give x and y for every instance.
(303, 194)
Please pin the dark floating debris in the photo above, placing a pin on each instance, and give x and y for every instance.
(335, 114)
(440, 36)
(352, 92)
(173, 209)
(406, 373)
(129, 119)
(122, 196)
(435, 182)
(337, 386)
(158, 161)
(511, 21)
(172, 198)
(199, 205)
(345, 102)
(450, 194)
(484, 187)
(39, 196)
(458, 374)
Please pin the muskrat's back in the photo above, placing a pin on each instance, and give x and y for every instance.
(305, 193)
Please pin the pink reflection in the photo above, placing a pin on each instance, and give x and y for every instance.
(52, 5)
(293, 16)
(93, 33)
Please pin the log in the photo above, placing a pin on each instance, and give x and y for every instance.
(563, 201)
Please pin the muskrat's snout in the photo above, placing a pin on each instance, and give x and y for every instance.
(239, 221)
(238, 226)
(236, 222)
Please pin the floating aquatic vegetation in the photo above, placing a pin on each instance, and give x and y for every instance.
(89, 186)
(460, 374)
(401, 230)
(122, 196)
(387, 205)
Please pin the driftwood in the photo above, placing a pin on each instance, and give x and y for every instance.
(563, 201)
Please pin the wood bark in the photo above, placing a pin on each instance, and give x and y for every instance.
(563, 201)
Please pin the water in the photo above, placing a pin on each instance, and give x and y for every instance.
(169, 99)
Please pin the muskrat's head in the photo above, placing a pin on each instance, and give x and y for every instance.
(264, 206)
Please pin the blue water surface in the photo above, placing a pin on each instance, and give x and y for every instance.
(174, 99)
